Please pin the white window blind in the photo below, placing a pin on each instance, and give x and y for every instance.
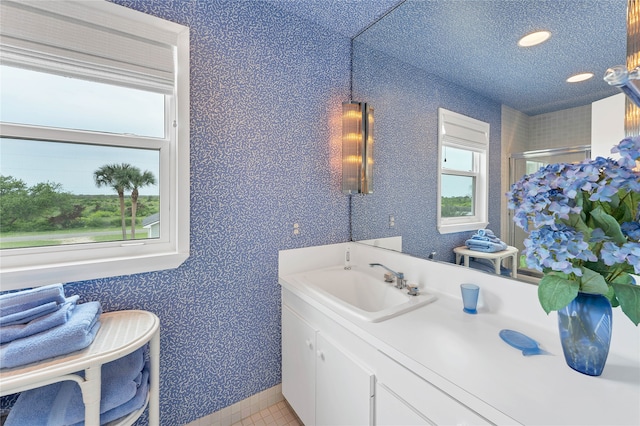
(82, 40)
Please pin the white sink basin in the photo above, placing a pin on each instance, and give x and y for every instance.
(359, 294)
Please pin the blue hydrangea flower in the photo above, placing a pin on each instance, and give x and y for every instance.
(549, 195)
(557, 249)
(629, 150)
(613, 254)
(631, 230)
(598, 235)
(544, 203)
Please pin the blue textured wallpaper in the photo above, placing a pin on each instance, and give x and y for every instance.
(266, 93)
(406, 101)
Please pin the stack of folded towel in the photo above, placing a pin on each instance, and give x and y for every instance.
(42, 323)
(484, 240)
(124, 389)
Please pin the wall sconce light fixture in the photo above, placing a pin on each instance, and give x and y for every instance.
(632, 111)
(357, 148)
(627, 77)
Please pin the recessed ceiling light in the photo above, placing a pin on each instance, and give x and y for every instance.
(576, 78)
(534, 38)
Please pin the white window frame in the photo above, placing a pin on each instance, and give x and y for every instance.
(29, 267)
(462, 132)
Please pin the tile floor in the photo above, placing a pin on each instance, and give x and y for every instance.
(264, 408)
(279, 414)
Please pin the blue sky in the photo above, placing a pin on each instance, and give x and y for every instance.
(29, 97)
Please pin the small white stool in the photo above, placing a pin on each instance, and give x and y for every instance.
(495, 258)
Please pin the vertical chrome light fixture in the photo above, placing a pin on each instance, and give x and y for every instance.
(357, 148)
(632, 111)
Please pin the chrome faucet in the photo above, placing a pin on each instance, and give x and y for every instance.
(401, 282)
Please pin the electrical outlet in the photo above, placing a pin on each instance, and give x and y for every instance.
(392, 221)
(296, 229)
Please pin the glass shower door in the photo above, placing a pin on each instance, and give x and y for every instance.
(524, 163)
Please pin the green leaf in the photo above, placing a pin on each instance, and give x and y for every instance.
(611, 295)
(629, 297)
(608, 224)
(630, 202)
(598, 266)
(555, 291)
(592, 282)
(623, 278)
(611, 206)
(577, 222)
(523, 261)
(621, 212)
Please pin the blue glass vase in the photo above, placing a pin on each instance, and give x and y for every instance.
(585, 332)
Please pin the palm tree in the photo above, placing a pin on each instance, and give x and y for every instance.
(138, 180)
(118, 177)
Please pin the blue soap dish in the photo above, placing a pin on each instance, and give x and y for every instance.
(526, 344)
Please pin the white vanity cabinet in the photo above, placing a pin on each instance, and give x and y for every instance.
(322, 381)
(330, 376)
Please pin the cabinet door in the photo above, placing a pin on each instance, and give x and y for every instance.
(344, 388)
(298, 365)
(392, 411)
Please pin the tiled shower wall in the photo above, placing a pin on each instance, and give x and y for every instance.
(568, 127)
(564, 128)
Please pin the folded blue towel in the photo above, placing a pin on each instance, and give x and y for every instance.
(77, 333)
(61, 403)
(135, 403)
(58, 317)
(24, 317)
(25, 300)
(485, 246)
(484, 240)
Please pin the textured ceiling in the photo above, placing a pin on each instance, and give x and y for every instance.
(347, 17)
(473, 43)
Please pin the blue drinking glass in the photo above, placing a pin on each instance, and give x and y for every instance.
(470, 297)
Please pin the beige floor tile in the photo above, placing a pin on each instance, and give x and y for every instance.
(278, 414)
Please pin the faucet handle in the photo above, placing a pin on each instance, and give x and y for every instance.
(388, 277)
(413, 289)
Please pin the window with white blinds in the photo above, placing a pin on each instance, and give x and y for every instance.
(94, 103)
(463, 144)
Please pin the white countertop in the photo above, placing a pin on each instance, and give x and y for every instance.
(464, 356)
(467, 351)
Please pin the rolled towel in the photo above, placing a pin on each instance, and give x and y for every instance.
(485, 233)
(12, 304)
(58, 317)
(77, 333)
(61, 403)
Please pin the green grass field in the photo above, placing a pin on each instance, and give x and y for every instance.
(10, 240)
